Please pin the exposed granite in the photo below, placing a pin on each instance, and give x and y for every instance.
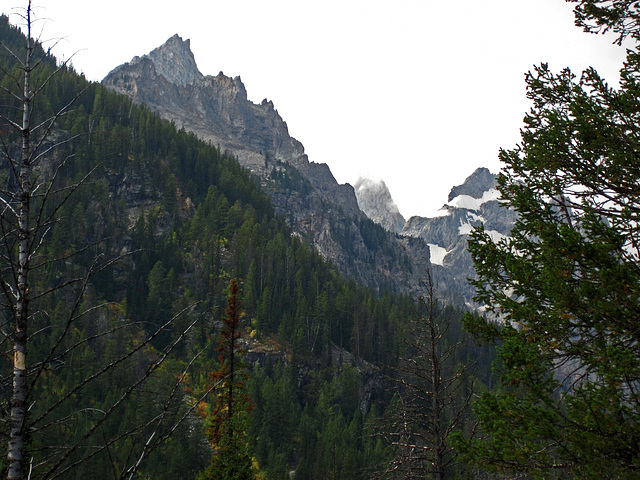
(374, 199)
(451, 230)
(321, 211)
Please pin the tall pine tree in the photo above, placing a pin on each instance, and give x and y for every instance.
(565, 286)
(227, 424)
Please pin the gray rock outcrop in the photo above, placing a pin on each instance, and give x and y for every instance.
(474, 202)
(216, 108)
(480, 181)
(175, 61)
(374, 199)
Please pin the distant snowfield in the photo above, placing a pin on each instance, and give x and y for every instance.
(443, 212)
(468, 202)
(437, 254)
(465, 228)
(471, 203)
(495, 235)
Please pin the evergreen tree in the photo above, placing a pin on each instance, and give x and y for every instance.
(228, 422)
(621, 17)
(71, 363)
(565, 286)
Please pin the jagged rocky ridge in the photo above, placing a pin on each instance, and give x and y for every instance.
(322, 212)
(474, 202)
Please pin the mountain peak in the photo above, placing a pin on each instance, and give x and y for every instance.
(475, 185)
(374, 199)
(174, 60)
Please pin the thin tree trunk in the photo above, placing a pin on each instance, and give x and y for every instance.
(436, 379)
(15, 451)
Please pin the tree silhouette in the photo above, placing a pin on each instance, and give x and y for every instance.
(433, 395)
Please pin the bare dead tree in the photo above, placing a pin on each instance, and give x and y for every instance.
(16, 228)
(31, 199)
(431, 403)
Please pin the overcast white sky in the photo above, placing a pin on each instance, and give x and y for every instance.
(418, 93)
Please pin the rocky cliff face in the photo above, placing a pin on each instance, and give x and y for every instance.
(474, 202)
(374, 199)
(216, 108)
(320, 210)
(175, 61)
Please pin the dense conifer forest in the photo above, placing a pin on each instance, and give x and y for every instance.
(159, 321)
(164, 221)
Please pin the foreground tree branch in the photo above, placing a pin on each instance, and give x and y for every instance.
(430, 404)
(39, 342)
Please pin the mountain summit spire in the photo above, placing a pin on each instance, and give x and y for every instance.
(174, 60)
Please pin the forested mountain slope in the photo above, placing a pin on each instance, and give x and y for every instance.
(165, 220)
(322, 212)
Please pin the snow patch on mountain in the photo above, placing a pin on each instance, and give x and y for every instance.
(443, 212)
(495, 235)
(437, 254)
(465, 228)
(472, 203)
(475, 218)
